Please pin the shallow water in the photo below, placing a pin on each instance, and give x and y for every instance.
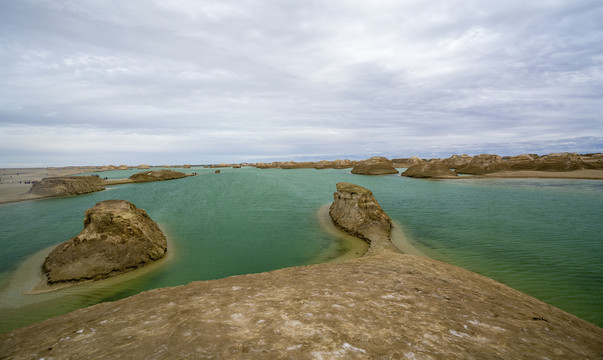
(543, 237)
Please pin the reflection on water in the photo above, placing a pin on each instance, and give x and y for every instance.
(543, 237)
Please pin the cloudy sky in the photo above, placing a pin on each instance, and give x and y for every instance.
(193, 81)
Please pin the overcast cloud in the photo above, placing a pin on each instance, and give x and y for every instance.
(187, 81)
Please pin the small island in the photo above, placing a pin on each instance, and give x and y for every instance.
(117, 237)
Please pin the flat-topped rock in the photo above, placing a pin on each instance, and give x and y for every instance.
(157, 175)
(456, 161)
(117, 237)
(561, 162)
(66, 186)
(432, 169)
(375, 166)
(482, 164)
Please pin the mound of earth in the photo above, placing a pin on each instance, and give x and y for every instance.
(66, 186)
(157, 175)
(375, 166)
(432, 169)
(117, 237)
(482, 164)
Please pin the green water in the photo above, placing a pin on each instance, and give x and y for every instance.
(543, 237)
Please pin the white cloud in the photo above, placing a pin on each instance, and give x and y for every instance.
(285, 77)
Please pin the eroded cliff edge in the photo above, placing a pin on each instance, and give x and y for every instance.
(386, 305)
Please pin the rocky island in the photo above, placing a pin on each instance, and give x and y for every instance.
(157, 175)
(432, 169)
(66, 186)
(118, 237)
(385, 305)
(375, 166)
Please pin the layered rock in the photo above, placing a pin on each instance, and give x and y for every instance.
(561, 162)
(157, 175)
(66, 186)
(456, 161)
(356, 211)
(432, 169)
(483, 164)
(117, 237)
(375, 166)
(521, 162)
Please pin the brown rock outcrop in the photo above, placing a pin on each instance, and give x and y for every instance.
(157, 175)
(375, 166)
(66, 186)
(356, 211)
(432, 169)
(482, 164)
(144, 166)
(117, 237)
(386, 305)
(456, 161)
(561, 162)
(521, 162)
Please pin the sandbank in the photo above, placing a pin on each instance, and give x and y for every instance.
(351, 247)
(348, 247)
(589, 174)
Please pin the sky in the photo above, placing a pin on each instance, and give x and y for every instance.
(97, 82)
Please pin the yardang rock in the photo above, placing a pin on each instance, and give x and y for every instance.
(157, 175)
(432, 169)
(375, 166)
(67, 186)
(117, 237)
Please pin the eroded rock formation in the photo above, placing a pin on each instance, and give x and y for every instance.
(375, 166)
(356, 211)
(561, 162)
(482, 164)
(67, 186)
(157, 175)
(456, 161)
(432, 169)
(117, 237)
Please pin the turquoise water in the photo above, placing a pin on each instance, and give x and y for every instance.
(543, 237)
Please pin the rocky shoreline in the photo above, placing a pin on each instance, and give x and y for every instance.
(385, 305)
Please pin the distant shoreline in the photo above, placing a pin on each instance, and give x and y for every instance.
(14, 189)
